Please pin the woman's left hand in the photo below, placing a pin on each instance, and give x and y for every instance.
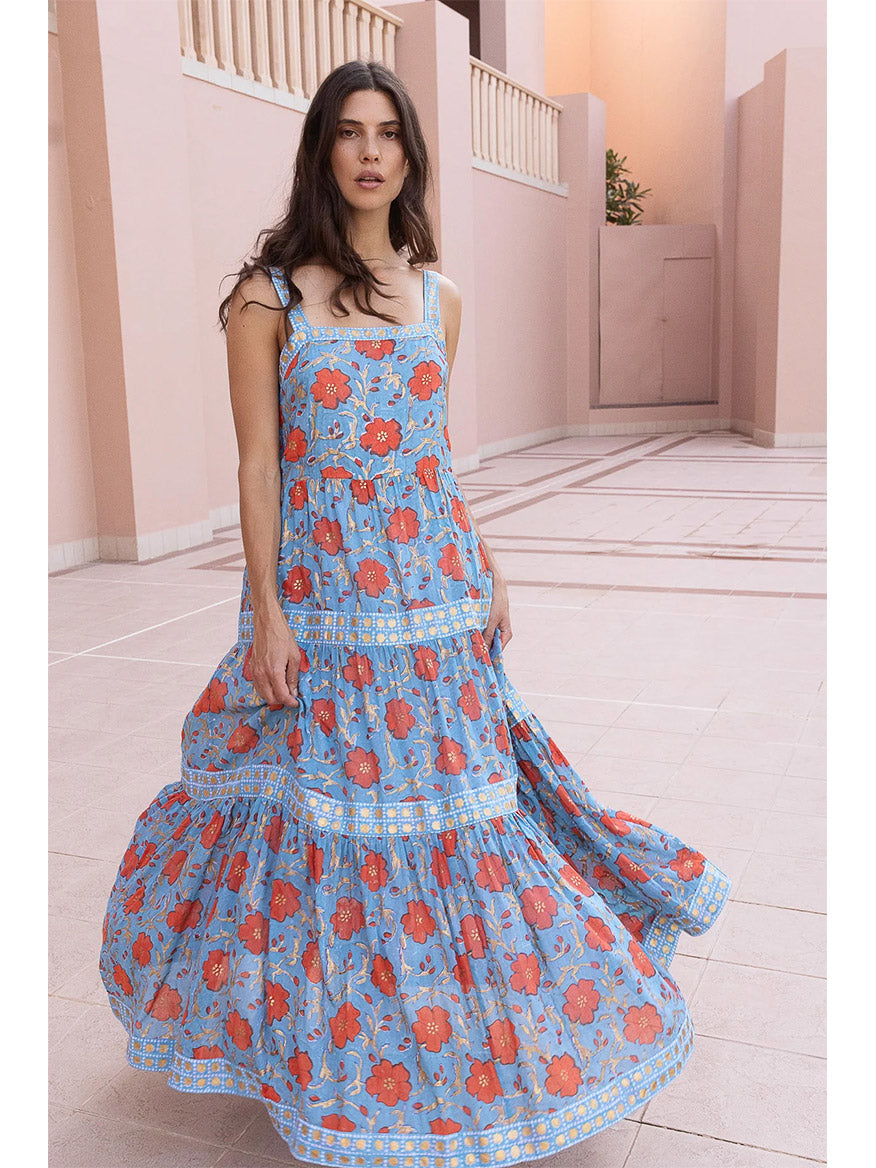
(500, 612)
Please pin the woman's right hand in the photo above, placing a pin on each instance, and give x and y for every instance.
(275, 659)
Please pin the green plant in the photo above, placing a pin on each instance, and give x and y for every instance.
(621, 196)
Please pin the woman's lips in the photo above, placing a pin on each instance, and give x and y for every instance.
(369, 184)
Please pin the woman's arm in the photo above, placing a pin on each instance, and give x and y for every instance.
(500, 614)
(253, 350)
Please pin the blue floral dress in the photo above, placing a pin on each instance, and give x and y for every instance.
(396, 914)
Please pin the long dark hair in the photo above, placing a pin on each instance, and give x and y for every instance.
(314, 225)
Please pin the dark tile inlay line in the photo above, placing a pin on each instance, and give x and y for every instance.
(550, 474)
(619, 553)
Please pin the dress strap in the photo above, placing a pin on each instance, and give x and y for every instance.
(280, 285)
(430, 294)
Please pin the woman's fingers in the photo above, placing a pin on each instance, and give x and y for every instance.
(291, 679)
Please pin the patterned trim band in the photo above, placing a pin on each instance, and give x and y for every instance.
(399, 627)
(504, 1144)
(698, 914)
(400, 817)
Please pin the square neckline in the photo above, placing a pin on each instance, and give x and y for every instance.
(430, 322)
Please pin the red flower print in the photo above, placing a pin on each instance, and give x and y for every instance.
(312, 962)
(468, 701)
(297, 584)
(298, 494)
(327, 535)
(345, 1024)
(432, 1027)
(129, 862)
(526, 974)
(599, 935)
(641, 960)
(451, 563)
(212, 700)
(174, 866)
(285, 901)
(426, 472)
(582, 998)
(165, 1005)
(568, 802)
(418, 921)
(504, 1042)
(336, 472)
(348, 918)
(314, 862)
(399, 719)
(615, 824)
(242, 739)
(237, 871)
(563, 1076)
(459, 511)
(448, 842)
(633, 924)
(141, 950)
(208, 1052)
(403, 525)
(323, 715)
(212, 831)
(276, 1002)
(383, 975)
(185, 915)
(330, 387)
(239, 1030)
(300, 1066)
(363, 767)
(254, 933)
(374, 872)
(440, 869)
(216, 969)
(371, 577)
(270, 1093)
(574, 878)
(426, 379)
(294, 741)
(606, 879)
(362, 490)
(183, 827)
(381, 436)
(630, 870)
(483, 1082)
(358, 670)
(539, 907)
(296, 445)
(492, 873)
(338, 1122)
(135, 901)
(502, 743)
(375, 349)
(389, 1083)
(444, 1127)
(122, 980)
(462, 972)
(451, 758)
(274, 833)
(474, 935)
(642, 1023)
(425, 663)
(688, 864)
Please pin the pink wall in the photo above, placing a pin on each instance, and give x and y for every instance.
(73, 515)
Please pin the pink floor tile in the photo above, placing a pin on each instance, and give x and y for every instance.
(742, 754)
(784, 881)
(703, 784)
(88, 1141)
(788, 834)
(707, 825)
(648, 745)
(774, 1100)
(749, 1005)
(662, 1147)
(783, 939)
(805, 796)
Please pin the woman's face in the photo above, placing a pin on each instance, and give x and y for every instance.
(368, 142)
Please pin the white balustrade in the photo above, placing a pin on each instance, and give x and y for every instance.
(511, 126)
(288, 45)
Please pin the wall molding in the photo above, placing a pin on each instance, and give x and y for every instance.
(225, 80)
(528, 180)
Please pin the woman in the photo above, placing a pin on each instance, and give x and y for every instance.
(379, 897)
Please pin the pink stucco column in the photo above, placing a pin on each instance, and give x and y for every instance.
(582, 166)
(432, 58)
(128, 162)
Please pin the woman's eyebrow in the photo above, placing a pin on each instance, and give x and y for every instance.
(354, 122)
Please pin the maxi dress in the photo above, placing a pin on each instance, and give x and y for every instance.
(396, 914)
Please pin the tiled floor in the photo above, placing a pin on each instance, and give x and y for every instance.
(668, 617)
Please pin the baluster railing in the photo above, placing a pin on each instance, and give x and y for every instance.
(286, 45)
(511, 126)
